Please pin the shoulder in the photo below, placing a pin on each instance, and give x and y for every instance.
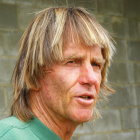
(10, 125)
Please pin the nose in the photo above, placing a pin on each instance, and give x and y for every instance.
(88, 76)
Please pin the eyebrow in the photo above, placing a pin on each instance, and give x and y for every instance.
(75, 56)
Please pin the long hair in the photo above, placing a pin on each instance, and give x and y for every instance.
(42, 45)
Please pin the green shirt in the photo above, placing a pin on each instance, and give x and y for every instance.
(13, 129)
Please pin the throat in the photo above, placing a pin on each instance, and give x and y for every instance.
(62, 127)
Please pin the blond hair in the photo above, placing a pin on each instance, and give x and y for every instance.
(42, 45)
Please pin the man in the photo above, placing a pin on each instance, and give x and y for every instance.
(63, 61)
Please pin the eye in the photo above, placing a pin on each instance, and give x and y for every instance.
(97, 65)
(71, 62)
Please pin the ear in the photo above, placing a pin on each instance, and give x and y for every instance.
(35, 89)
(46, 70)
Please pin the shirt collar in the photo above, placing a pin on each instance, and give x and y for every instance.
(42, 131)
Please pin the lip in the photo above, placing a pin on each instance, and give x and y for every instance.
(85, 102)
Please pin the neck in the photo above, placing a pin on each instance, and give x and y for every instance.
(61, 126)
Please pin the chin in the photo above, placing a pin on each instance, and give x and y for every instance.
(83, 116)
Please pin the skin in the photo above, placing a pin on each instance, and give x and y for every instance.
(57, 103)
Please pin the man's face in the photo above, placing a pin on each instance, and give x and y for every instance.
(70, 88)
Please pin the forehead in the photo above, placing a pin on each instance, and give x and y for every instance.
(75, 44)
(82, 50)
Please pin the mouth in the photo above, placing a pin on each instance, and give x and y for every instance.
(86, 97)
(85, 100)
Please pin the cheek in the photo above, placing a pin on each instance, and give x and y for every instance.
(68, 77)
(99, 79)
(59, 83)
